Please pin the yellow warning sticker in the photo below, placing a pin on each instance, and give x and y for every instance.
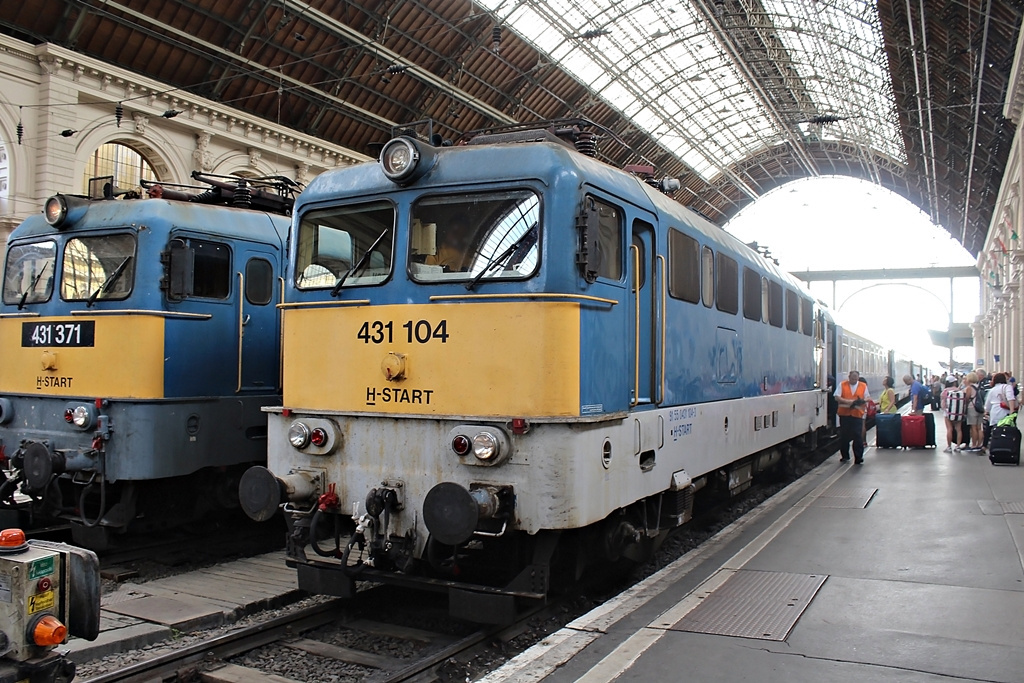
(37, 603)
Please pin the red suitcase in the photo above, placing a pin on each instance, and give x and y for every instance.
(913, 432)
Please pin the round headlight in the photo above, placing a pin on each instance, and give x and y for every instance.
(298, 435)
(485, 446)
(80, 416)
(55, 210)
(398, 159)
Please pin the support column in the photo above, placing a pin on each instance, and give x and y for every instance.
(1012, 296)
(980, 341)
(1004, 330)
(1017, 270)
(56, 154)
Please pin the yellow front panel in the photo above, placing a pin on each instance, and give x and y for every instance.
(504, 359)
(126, 359)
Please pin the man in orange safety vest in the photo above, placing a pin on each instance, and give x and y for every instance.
(852, 395)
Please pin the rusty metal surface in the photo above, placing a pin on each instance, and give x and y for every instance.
(754, 604)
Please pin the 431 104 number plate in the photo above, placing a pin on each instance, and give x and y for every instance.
(81, 333)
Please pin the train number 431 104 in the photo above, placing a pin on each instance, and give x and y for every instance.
(420, 331)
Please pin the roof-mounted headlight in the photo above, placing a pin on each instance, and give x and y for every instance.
(60, 209)
(404, 159)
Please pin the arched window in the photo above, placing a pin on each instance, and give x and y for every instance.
(126, 165)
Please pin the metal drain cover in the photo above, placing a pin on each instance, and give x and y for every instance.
(753, 604)
(999, 508)
(839, 497)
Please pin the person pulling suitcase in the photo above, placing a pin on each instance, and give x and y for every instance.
(1000, 405)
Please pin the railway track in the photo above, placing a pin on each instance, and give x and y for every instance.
(218, 660)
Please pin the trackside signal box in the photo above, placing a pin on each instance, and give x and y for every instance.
(48, 591)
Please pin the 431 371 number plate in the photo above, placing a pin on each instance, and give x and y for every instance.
(59, 334)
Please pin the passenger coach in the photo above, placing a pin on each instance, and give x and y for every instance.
(506, 359)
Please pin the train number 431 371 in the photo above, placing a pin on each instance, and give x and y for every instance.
(420, 331)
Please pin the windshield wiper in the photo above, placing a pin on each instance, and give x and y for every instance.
(360, 264)
(108, 283)
(525, 242)
(35, 281)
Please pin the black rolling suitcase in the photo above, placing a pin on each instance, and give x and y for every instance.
(929, 429)
(1004, 446)
(887, 430)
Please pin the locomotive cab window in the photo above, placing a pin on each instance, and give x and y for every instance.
(684, 266)
(211, 274)
(346, 245)
(609, 241)
(28, 273)
(486, 236)
(197, 268)
(98, 268)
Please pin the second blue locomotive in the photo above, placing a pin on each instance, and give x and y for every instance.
(141, 341)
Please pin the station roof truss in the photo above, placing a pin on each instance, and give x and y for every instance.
(733, 97)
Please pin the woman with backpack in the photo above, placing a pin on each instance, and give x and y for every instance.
(953, 402)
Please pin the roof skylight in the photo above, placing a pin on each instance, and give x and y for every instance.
(719, 81)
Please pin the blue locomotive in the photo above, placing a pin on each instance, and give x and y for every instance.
(141, 340)
(504, 360)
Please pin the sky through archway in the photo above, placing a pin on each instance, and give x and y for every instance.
(847, 224)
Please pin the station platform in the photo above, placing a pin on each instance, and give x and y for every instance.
(909, 567)
(140, 614)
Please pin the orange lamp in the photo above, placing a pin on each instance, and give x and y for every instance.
(49, 631)
(12, 538)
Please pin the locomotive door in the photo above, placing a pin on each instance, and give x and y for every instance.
(640, 273)
(257, 324)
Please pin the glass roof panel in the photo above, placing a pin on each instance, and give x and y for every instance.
(719, 80)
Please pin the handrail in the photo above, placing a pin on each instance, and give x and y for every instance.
(158, 314)
(527, 295)
(664, 323)
(19, 315)
(308, 304)
(241, 326)
(634, 251)
(280, 338)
